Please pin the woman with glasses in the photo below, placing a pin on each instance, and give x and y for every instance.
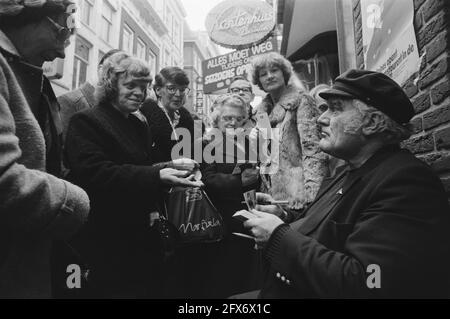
(168, 113)
(36, 205)
(235, 263)
(109, 153)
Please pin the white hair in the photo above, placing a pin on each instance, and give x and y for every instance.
(233, 100)
(390, 131)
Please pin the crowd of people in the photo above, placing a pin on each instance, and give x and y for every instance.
(83, 179)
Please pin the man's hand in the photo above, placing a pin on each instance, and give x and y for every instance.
(262, 226)
(262, 200)
(249, 176)
(184, 164)
(174, 177)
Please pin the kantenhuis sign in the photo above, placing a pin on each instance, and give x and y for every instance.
(240, 23)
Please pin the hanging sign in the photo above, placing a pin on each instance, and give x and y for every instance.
(240, 23)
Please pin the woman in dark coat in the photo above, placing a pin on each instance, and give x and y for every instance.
(108, 153)
(168, 113)
(236, 263)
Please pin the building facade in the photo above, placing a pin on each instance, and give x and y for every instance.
(198, 47)
(172, 14)
(148, 29)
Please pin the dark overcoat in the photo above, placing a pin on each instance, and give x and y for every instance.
(391, 216)
(109, 156)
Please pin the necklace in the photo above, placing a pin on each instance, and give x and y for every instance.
(176, 119)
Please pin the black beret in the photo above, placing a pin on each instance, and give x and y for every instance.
(375, 89)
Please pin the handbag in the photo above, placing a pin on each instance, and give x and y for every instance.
(193, 214)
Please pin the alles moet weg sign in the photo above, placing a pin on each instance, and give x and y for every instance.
(218, 71)
(240, 23)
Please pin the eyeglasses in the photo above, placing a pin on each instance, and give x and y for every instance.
(181, 90)
(231, 118)
(63, 33)
(244, 90)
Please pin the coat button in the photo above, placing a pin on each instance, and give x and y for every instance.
(288, 282)
(278, 275)
(283, 278)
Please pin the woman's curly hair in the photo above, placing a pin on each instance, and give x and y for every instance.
(116, 65)
(268, 60)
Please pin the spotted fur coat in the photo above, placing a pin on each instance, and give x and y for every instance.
(301, 164)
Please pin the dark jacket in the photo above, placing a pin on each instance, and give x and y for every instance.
(110, 157)
(236, 259)
(391, 212)
(162, 130)
(76, 101)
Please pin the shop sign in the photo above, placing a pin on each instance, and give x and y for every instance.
(389, 41)
(218, 71)
(240, 23)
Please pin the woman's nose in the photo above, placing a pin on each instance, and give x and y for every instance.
(139, 92)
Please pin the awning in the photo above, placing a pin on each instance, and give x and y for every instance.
(304, 20)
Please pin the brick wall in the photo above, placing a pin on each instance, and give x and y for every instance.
(429, 90)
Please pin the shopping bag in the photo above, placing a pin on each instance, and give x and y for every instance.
(194, 216)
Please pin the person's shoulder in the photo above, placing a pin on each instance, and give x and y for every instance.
(86, 114)
(149, 105)
(70, 98)
(185, 112)
(295, 98)
(152, 111)
(403, 165)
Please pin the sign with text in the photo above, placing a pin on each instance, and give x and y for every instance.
(389, 41)
(218, 71)
(239, 23)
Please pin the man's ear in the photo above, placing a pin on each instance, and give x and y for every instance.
(373, 123)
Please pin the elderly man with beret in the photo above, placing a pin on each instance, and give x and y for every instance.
(36, 206)
(379, 228)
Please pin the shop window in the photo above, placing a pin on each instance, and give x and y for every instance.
(317, 61)
(317, 70)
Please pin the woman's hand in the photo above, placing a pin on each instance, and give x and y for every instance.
(174, 177)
